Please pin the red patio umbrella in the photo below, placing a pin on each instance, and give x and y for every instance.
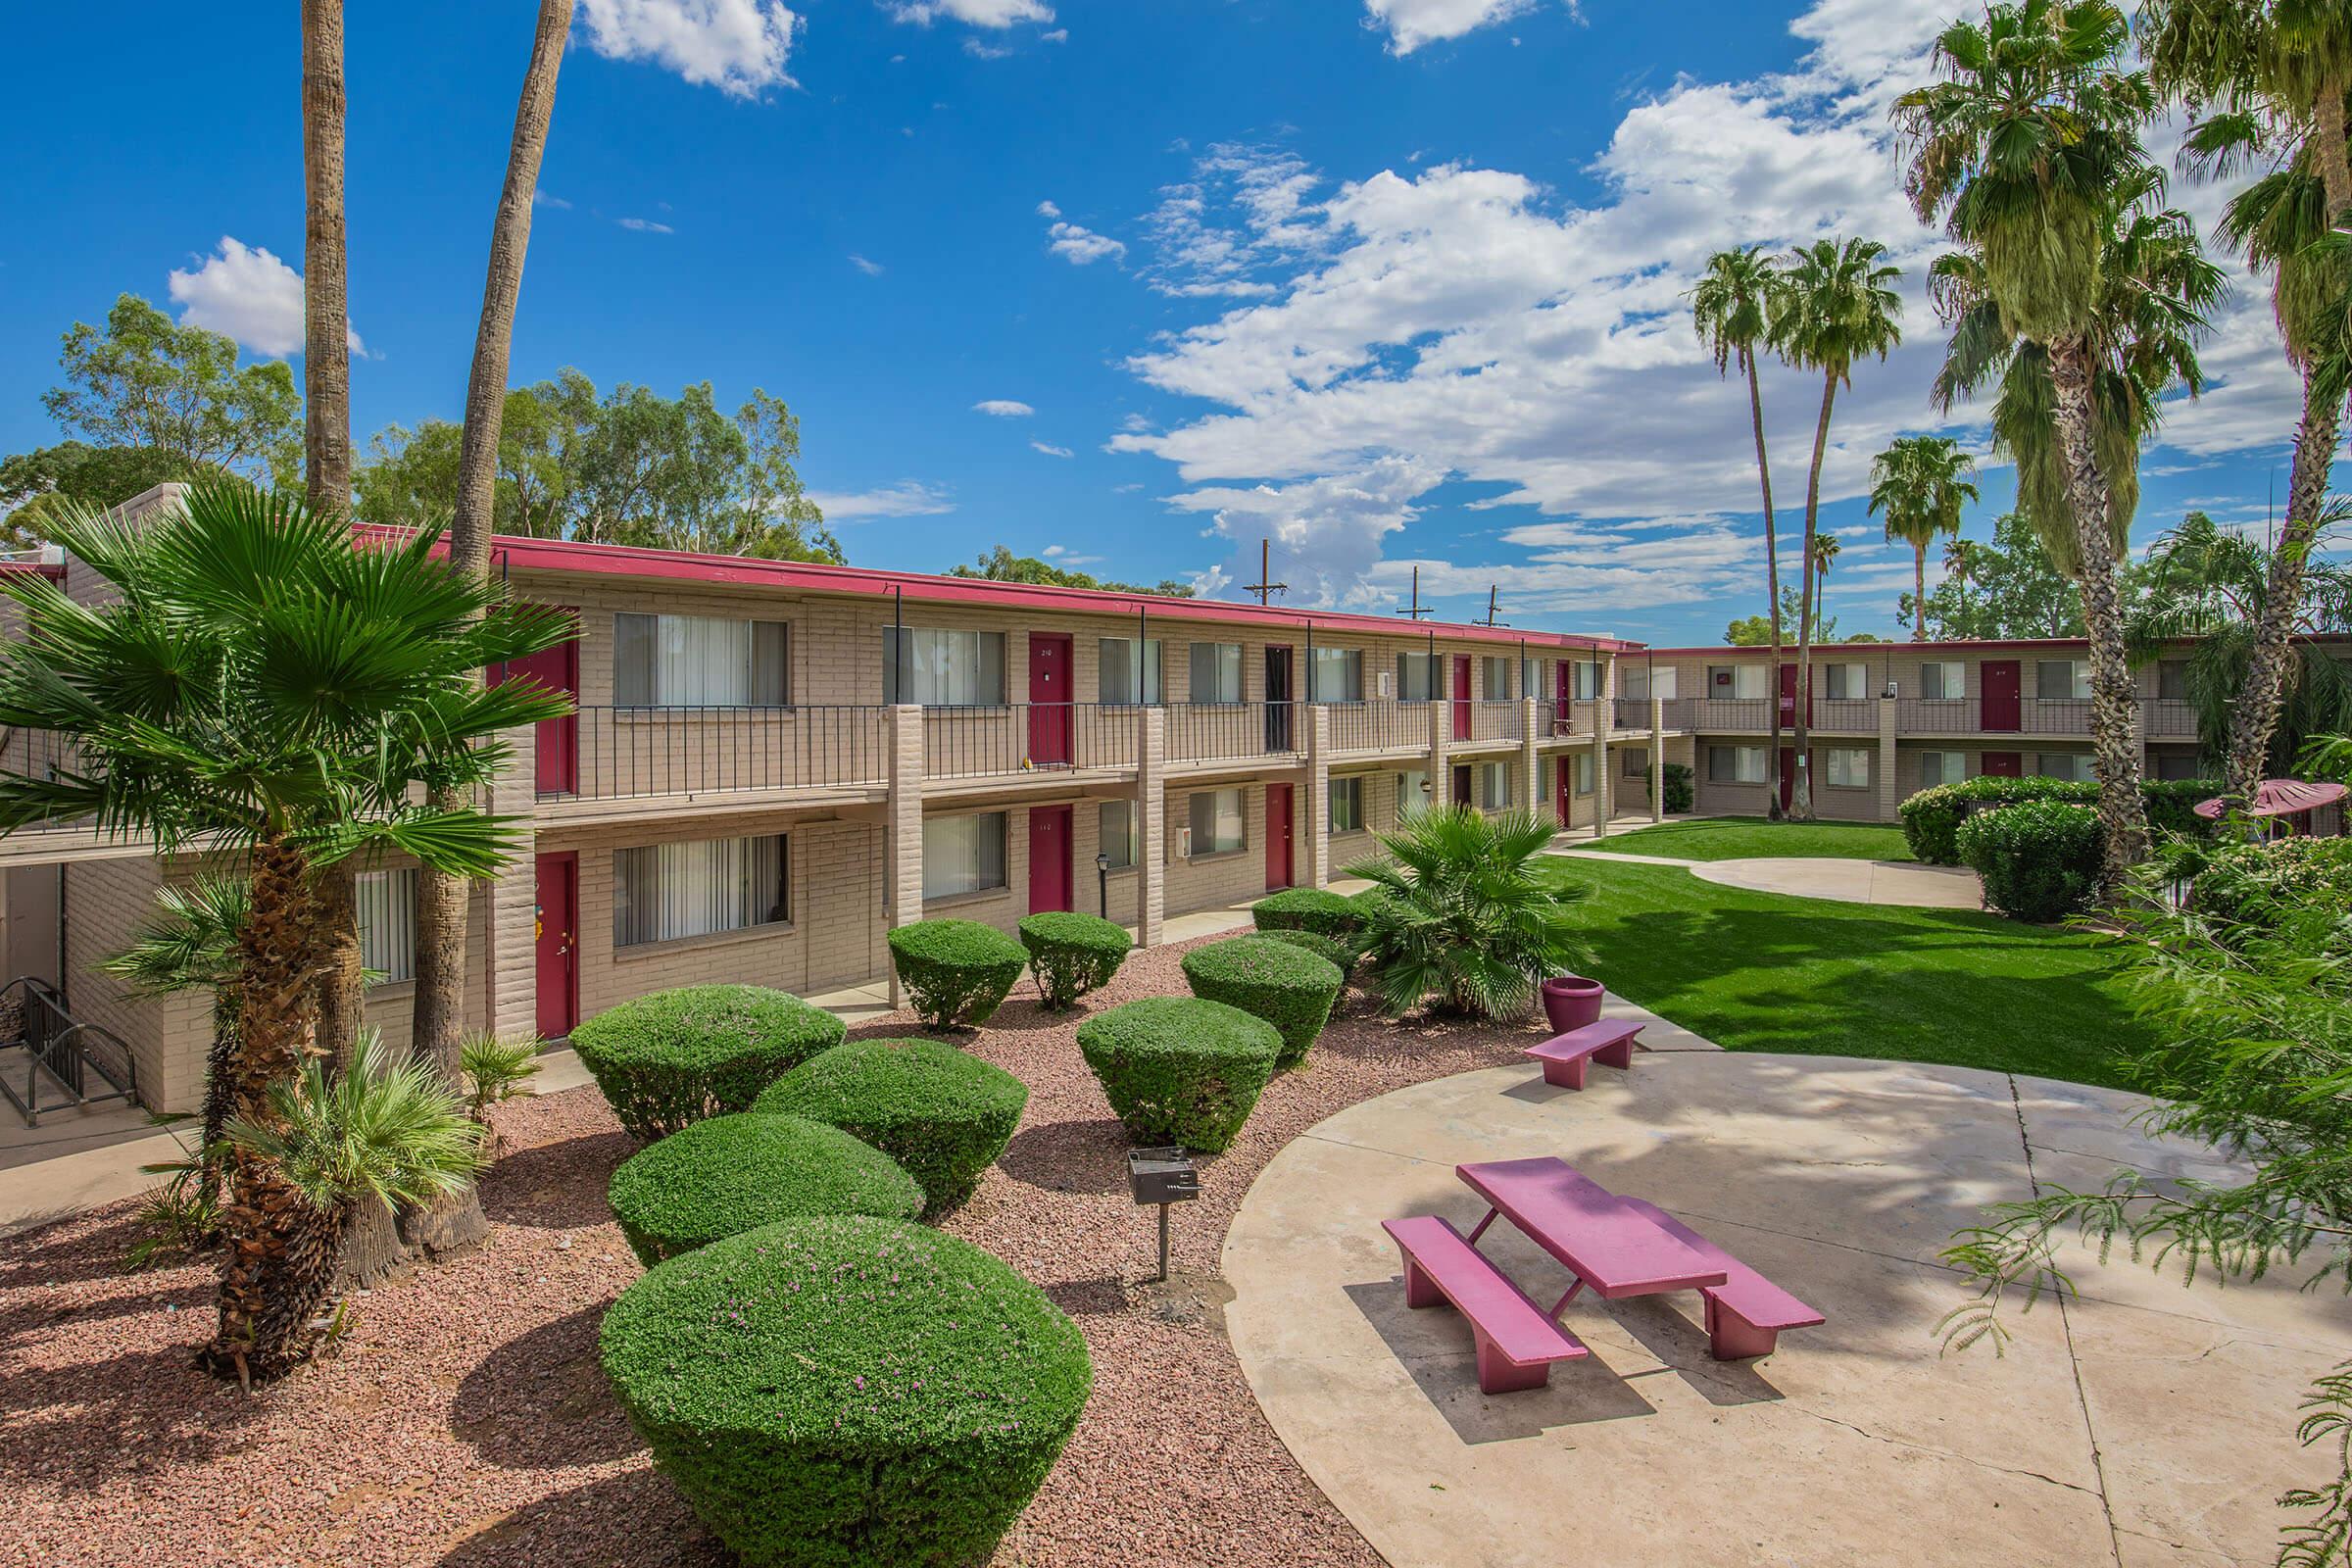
(2280, 797)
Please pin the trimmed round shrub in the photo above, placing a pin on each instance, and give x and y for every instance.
(673, 1057)
(1339, 952)
(731, 1174)
(1932, 817)
(1179, 1070)
(1073, 954)
(1288, 986)
(2040, 860)
(844, 1392)
(942, 1114)
(1317, 909)
(957, 971)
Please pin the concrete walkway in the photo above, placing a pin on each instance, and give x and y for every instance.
(1847, 881)
(2142, 1424)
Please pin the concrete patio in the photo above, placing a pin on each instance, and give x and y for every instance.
(2141, 1424)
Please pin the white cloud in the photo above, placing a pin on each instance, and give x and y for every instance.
(1326, 530)
(247, 293)
(1081, 246)
(1004, 407)
(1057, 35)
(1048, 210)
(1410, 23)
(645, 225)
(738, 46)
(1062, 555)
(978, 12)
(869, 268)
(986, 51)
(908, 498)
(1051, 449)
(540, 197)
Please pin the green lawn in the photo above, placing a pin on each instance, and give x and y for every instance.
(1757, 972)
(1744, 838)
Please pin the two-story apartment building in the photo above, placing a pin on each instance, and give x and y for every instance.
(772, 764)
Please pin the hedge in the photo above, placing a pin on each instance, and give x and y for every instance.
(1317, 909)
(1179, 1070)
(673, 1057)
(1680, 793)
(1288, 986)
(1342, 952)
(1072, 954)
(2040, 860)
(957, 971)
(942, 1114)
(2246, 883)
(731, 1174)
(846, 1392)
(1933, 816)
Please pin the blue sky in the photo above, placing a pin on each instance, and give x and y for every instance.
(1394, 282)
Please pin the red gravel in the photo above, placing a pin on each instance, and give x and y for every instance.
(465, 1421)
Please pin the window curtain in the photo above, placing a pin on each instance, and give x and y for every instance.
(1117, 681)
(387, 911)
(663, 892)
(1338, 675)
(1117, 831)
(963, 855)
(942, 669)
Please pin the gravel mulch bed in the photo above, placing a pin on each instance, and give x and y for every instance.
(463, 1419)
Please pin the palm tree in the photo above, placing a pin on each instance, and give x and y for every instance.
(2029, 149)
(193, 946)
(1921, 482)
(437, 1031)
(260, 688)
(1840, 305)
(1734, 306)
(1826, 549)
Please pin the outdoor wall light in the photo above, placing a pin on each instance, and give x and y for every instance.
(1103, 883)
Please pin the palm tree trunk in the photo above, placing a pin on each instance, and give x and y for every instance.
(327, 325)
(439, 1027)
(371, 1247)
(2254, 716)
(1772, 586)
(2114, 700)
(1802, 807)
(2330, 150)
(1919, 592)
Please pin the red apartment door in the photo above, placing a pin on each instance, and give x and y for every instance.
(2004, 765)
(557, 748)
(1278, 836)
(1789, 700)
(1997, 699)
(1563, 697)
(1049, 858)
(1048, 700)
(1788, 776)
(1462, 697)
(1459, 792)
(1565, 791)
(558, 941)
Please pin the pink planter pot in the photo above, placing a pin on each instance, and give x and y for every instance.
(1571, 1002)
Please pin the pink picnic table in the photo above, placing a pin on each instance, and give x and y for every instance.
(1602, 1239)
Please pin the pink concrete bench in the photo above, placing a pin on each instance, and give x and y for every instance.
(1611, 1042)
(1516, 1342)
(1746, 1312)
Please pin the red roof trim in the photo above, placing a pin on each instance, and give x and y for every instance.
(1990, 645)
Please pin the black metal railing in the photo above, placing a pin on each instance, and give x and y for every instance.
(2168, 718)
(629, 753)
(1379, 726)
(1015, 738)
(61, 1054)
(1845, 715)
(1496, 720)
(1203, 732)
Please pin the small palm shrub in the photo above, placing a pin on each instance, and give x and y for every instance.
(944, 1115)
(1180, 1069)
(1333, 950)
(1286, 985)
(1071, 955)
(957, 972)
(1317, 909)
(846, 1392)
(731, 1174)
(2039, 861)
(673, 1057)
(493, 1071)
(1462, 918)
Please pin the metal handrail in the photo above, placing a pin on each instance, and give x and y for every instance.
(56, 1045)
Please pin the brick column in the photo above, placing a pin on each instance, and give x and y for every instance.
(905, 818)
(1604, 719)
(1657, 758)
(511, 965)
(1318, 794)
(1151, 824)
(1890, 798)
(1441, 736)
(1531, 758)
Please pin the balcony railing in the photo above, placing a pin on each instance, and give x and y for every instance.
(2168, 718)
(1847, 716)
(1497, 720)
(1379, 726)
(1027, 738)
(616, 754)
(1736, 716)
(1204, 732)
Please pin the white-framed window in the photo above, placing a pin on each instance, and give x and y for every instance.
(1218, 821)
(1494, 678)
(1216, 673)
(1119, 678)
(944, 668)
(1531, 678)
(2073, 766)
(1583, 681)
(1735, 765)
(1941, 767)
(1738, 682)
(1638, 680)
(1634, 762)
(1347, 804)
(1581, 773)
(699, 661)
(1850, 767)
(1494, 786)
(1843, 683)
(387, 908)
(1338, 675)
(1412, 789)
(2059, 679)
(1116, 830)
(964, 854)
(1944, 678)
(1418, 679)
(663, 892)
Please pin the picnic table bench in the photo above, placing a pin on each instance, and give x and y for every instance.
(1517, 1341)
(1746, 1312)
(1609, 1041)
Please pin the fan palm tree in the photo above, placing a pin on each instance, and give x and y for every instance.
(1921, 482)
(1825, 550)
(1733, 306)
(1841, 307)
(193, 946)
(263, 688)
(2081, 297)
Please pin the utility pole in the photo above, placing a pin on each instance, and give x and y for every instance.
(1265, 587)
(1417, 608)
(1490, 622)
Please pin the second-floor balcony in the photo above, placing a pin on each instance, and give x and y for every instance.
(2160, 718)
(618, 754)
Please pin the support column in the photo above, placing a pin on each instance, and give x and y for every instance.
(1531, 758)
(510, 925)
(1151, 824)
(1604, 719)
(1657, 758)
(1318, 794)
(1890, 797)
(1441, 736)
(906, 826)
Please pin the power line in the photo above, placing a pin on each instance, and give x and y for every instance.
(1265, 587)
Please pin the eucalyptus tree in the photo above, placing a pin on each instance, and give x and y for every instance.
(1921, 482)
(2076, 292)
(1840, 307)
(1734, 306)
